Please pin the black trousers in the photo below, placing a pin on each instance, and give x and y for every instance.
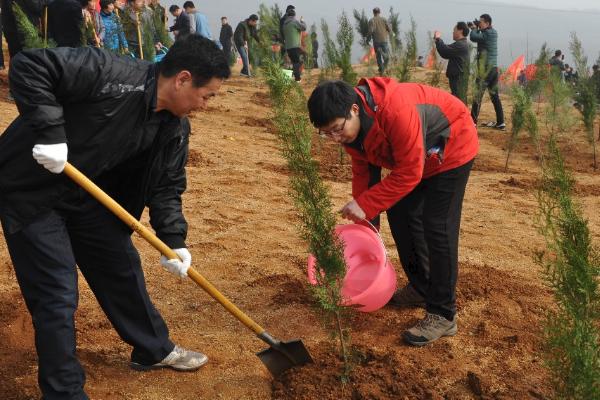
(295, 55)
(45, 254)
(490, 82)
(458, 86)
(1, 51)
(425, 226)
(227, 53)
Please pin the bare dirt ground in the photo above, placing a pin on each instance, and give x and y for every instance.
(243, 236)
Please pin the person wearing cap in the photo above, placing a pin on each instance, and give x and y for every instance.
(243, 31)
(427, 140)
(380, 30)
(292, 29)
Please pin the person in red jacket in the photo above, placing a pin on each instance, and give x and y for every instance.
(427, 140)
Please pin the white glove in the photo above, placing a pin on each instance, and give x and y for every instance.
(180, 266)
(52, 156)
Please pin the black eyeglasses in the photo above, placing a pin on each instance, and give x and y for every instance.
(334, 132)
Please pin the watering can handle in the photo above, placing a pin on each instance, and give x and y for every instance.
(380, 238)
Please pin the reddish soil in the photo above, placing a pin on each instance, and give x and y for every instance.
(244, 238)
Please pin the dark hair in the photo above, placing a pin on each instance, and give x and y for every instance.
(486, 18)
(290, 7)
(198, 55)
(330, 100)
(83, 3)
(376, 10)
(462, 26)
(173, 8)
(222, 18)
(253, 17)
(105, 3)
(189, 4)
(558, 53)
(594, 67)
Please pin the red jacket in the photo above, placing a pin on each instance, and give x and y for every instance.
(408, 121)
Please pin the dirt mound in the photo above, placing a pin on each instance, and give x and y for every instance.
(496, 312)
(260, 123)
(196, 159)
(334, 163)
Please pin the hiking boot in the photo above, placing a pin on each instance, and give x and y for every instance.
(179, 359)
(501, 126)
(407, 297)
(429, 329)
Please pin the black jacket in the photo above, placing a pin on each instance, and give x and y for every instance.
(242, 33)
(182, 25)
(102, 105)
(65, 23)
(226, 35)
(457, 55)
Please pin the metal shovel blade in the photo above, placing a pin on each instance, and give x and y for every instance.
(282, 356)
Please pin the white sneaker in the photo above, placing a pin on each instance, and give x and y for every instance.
(179, 359)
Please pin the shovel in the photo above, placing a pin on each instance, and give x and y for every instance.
(278, 358)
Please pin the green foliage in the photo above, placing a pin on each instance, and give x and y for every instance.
(311, 197)
(361, 22)
(268, 32)
(31, 35)
(88, 33)
(403, 71)
(585, 92)
(579, 57)
(536, 85)
(338, 55)
(558, 110)
(345, 38)
(435, 78)
(148, 41)
(522, 118)
(572, 270)
(330, 53)
(161, 28)
(395, 41)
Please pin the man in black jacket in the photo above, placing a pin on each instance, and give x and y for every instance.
(182, 26)
(225, 37)
(243, 31)
(457, 55)
(125, 124)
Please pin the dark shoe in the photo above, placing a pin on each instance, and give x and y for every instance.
(429, 329)
(407, 297)
(179, 359)
(500, 127)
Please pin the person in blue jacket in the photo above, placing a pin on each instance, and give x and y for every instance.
(114, 37)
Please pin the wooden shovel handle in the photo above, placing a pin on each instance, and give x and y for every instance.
(158, 244)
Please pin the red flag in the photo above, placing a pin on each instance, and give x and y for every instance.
(512, 72)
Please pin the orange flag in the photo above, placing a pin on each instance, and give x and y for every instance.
(512, 72)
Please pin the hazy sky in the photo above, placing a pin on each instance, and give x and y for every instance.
(557, 4)
(521, 29)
